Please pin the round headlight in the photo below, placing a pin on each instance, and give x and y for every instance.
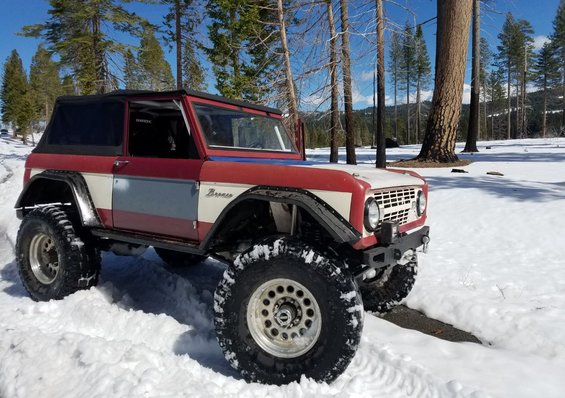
(372, 214)
(421, 203)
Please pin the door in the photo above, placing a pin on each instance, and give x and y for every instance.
(155, 187)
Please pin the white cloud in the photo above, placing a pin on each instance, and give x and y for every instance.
(367, 76)
(539, 41)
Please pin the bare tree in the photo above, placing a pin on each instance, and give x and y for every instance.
(454, 18)
(381, 145)
(347, 95)
(290, 91)
(334, 111)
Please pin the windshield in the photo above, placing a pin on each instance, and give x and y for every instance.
(229, 129)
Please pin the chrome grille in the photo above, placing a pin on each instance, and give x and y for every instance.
(397, 205)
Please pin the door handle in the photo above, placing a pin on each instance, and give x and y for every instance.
(118, 164)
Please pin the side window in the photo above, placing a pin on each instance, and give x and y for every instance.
(158, 129)
(87, 123)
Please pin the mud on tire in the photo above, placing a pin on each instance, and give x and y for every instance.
(283, 310)
(53, 261)
(384, 292)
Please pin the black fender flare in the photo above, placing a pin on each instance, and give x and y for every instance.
(79, 188)
(338, 227)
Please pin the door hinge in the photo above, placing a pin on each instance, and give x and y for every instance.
(195, 224)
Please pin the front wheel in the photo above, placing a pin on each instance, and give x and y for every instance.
(284, 310)
(390, 286)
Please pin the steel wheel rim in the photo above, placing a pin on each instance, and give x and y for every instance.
(44, 258)
(284, 318)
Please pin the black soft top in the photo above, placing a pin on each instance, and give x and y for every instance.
(94, 124)
(123, 95)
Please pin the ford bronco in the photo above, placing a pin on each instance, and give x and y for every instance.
(308, 246)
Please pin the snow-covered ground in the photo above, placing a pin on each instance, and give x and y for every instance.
(495, 268)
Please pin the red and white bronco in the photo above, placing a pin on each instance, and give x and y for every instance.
(307, 245)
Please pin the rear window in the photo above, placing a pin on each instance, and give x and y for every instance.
(96, 124)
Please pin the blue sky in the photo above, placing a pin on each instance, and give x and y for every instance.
(540, 13)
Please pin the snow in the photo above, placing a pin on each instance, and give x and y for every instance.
(494, 268)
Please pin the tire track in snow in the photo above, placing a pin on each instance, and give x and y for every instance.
(9, 173)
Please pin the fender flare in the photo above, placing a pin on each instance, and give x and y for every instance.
(79, 188)
(338, 227)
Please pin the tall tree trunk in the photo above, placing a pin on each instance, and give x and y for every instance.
(563, 94)
(454, 18)
(544, 114)
(408, 72)
(418, 109)
(381, 144)
(485, 118)
(396, 101)
(517, 119)
(492, 111)
(178, 42)
(290, 91)
(509, 108)
(474, 115)
(524, 128)
(334, 111)
(347, 95)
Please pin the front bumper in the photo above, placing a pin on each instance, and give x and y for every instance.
(382, 256)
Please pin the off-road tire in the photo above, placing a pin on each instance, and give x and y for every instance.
(178, 259)
(77, 264)
(327, 281)
(384, 292)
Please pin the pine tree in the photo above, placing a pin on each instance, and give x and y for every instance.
(182, 21)
(17, 102)
(496, 95)
(155, 70)
(407, 71)
(558, 40)
(422, 71)
(546, 75)
(68, 85)
(45, 82)
(132, 72)
(243, 50)
(194, 77)
(486, 58)
(78, 31)
(505, 58)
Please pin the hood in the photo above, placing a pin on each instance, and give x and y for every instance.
(377, 178)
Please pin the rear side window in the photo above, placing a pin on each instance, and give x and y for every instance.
(96, 124)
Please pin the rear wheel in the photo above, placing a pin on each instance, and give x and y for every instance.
(178, 259)
(284, 310)
(53, 261)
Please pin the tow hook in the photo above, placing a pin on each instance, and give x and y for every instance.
(425, 241)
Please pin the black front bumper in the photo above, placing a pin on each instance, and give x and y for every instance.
(382, 256)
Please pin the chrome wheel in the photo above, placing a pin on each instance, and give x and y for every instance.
(44, 258)
(284, 318)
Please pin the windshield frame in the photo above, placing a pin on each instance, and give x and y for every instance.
(228, 151)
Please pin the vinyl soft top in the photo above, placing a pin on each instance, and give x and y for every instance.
(122, 95)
